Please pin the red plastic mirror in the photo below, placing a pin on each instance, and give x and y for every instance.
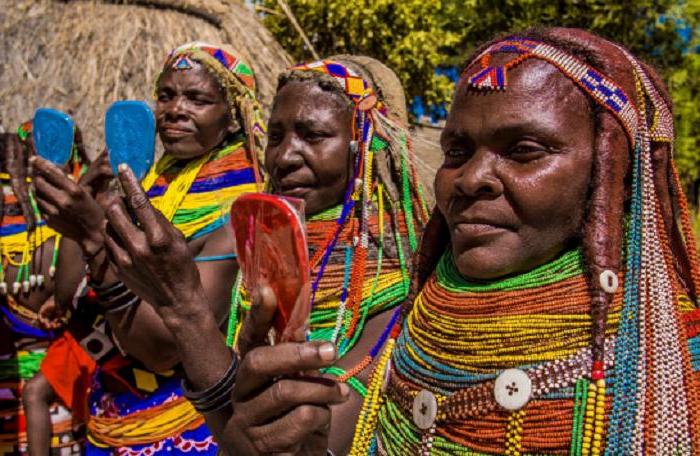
(272, 250)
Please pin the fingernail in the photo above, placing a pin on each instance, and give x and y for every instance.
(326, 352)
(122, 167)
(344, 389)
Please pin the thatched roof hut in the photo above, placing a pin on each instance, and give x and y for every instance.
(80, 56)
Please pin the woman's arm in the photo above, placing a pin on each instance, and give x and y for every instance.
(274, 407)
(72, 209)
(142, 333)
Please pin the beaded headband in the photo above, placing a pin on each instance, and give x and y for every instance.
(357, 89)
(180, 59)
(600, 87)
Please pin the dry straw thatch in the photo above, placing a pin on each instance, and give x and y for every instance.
(80, 56)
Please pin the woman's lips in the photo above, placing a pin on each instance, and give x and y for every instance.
(475, 230)
(174, 133)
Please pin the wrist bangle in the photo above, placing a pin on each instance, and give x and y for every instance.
(216, 396)
(115, 297)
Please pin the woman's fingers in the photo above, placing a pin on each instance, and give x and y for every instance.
(287, 394)
(120, 222)
(116, 253)
(260, 366)
(47, 209)
(258, 321)
(49, 192)
(153, 225)
(286, 433)
(52, 174)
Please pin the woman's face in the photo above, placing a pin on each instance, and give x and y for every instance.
(192, 113)
(307, 153)
(514, 181)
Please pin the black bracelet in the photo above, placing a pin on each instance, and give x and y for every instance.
(101, 288)
(216, 396)
(118, 307)
(115, 297)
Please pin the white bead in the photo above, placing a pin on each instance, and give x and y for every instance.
(25, 286)
(40, 280)
(358, 184)
(3, 288)
(512, 389)
(52, 271)
(16, 286)
(32, 280)
(424, 409)
(609, 281)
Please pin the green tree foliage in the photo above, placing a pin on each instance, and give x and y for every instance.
(416, 36)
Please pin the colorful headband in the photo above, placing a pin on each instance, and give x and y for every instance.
(180, 59)
(357, 89)
(600, 87)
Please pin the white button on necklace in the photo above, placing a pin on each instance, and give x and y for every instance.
(424, 409)
(512, 389)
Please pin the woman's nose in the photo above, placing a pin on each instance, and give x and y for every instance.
(478, 175)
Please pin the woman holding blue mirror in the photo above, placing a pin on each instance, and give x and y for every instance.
(209, 123)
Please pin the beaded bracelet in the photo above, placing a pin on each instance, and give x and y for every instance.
(216, 396)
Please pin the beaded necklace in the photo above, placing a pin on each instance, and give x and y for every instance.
(197, 195)
(460, 335)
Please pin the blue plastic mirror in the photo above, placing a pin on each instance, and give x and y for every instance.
(53, 135)
(130, 133)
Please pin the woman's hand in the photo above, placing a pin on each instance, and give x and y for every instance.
(68, 207)
(280, 403)
(153, 258)
(51, 315)
(98, 176)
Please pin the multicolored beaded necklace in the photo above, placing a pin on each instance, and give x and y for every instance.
(460, 335)
(197, 195)
(510, 367)
(360, 249)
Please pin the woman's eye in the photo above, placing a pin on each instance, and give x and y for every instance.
(163, 97)
(527, 152)
(455, 153)
(314, 136)
(200, 102)
(274, 137)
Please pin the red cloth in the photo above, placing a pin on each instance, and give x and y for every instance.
(69, 370)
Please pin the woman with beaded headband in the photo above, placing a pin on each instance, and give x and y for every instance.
(33, 277)
(542, 229)
(334, 143)
(209, 122)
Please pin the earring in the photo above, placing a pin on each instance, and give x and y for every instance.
(353, 147)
